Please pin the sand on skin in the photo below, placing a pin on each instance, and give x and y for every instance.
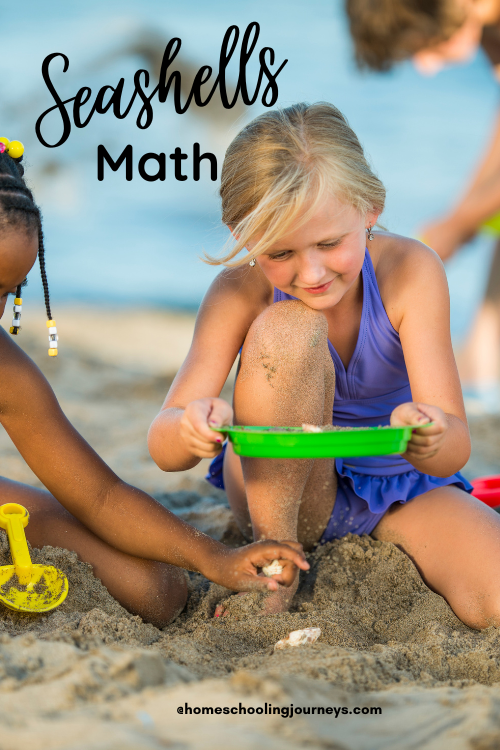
(89, 675)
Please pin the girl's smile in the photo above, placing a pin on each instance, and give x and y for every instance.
(318, 289)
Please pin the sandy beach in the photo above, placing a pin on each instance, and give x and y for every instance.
(90, 676)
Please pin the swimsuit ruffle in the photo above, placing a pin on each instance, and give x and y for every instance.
(215, 474)
(378, 491)
(381, 491)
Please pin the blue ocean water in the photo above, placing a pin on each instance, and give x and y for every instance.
(140, 242)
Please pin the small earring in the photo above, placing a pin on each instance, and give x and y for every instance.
(252, 262)
(370, 233)
(18, 308)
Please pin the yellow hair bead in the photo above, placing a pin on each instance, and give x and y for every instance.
(15, 149)
(52, 352)
(51, 323)
(18, 301)
(12, 329)
(5, 141)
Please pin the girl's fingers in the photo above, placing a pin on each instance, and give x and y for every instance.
(408, 414)
(420, 438)
(189, 434)
(263, 553)
(249, 582)
(428, 432)
(197, 444)
(203, 412)
(197, 421)
(294, 545)
(421, 449)
(240, 568)
(287, 575)
(221, 413)
(203, 450)
(434, 415)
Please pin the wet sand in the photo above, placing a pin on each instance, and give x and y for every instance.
(90, 675)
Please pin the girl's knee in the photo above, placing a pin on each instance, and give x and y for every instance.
(289, 323)
(480, 611)
(163, 595)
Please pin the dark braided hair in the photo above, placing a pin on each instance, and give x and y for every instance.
(18, 209)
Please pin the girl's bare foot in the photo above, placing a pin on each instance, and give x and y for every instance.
(271, 603)
(279, 601)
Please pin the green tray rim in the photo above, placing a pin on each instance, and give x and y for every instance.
(258, 441)
(248, 430)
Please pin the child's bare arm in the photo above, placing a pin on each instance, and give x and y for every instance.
(118, 513)
(419, 309)
(180, 435)
(480, 201)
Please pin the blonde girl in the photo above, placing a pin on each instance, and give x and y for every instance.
(332, 329)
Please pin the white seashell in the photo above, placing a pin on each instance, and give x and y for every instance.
(299, 638)
(311, 428)
(273, 569)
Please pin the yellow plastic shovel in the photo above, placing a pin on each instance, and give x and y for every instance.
(24, 586)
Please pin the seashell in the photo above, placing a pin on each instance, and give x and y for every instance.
(272, 569)
(311, 428)
(299, 638)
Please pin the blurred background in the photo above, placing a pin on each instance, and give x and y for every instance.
(141, 240)
(116, 249)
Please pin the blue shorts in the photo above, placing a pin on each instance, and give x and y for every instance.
(350, 514)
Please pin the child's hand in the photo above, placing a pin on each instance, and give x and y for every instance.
(238, 569)
(425, 442)
(445, 237)
(195, 424)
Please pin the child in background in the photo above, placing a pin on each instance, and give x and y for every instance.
(331, 331)
(435, 35)
(131, 541)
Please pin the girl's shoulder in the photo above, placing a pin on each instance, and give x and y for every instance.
(234, 299)
(12, 356)
(18, 373)
(239, 287)
(406, 271)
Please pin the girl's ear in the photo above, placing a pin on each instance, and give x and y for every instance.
(236, 236)
(371, 218)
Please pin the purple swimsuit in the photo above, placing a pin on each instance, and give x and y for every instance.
(375, 382)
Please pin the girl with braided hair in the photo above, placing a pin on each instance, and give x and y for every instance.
(135, 546)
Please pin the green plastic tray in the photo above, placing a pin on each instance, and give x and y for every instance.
(293, 442)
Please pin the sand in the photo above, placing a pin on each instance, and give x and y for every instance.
(91, 676)
(386, 641)
(380, 625)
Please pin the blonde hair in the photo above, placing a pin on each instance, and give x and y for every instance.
(286, 161)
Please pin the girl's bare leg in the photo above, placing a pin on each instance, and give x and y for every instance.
(154, 590)
(286, 378)
(454, 541)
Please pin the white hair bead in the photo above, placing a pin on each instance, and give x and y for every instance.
(52, 330)
(52, 344)
(18, 308)
(16, 322)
